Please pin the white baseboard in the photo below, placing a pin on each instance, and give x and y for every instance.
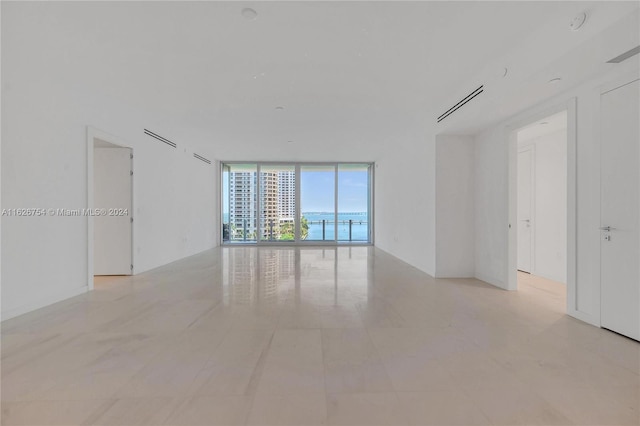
(41, 302)
(582, 316)
(492, 281)
(456, 275)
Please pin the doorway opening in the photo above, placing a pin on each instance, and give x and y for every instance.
(109, 207)
(542, 210)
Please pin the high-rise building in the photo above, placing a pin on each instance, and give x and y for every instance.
(269, 223)
(287, 196)
(243, 205)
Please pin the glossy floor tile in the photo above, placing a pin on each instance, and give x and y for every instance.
(313, 336)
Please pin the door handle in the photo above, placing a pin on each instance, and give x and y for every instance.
(607, 228)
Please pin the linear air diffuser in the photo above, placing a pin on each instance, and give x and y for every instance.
(160, 138)
(461, 103)
(201, 158)
(626, 55)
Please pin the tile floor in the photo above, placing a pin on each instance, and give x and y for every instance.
(280, 336)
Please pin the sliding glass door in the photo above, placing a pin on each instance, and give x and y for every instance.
(305, 203)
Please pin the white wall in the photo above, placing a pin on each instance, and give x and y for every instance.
(491, 206)
(550, 214)
(405, 201)
(49, 97)
(45, 258)
(491, 187)
(175, 205)
(455, 226)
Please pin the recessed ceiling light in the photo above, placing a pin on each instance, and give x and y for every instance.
(279, 108)
(544, 122)
(578, 21)
(290, 142)
(555, 80)
(249, 14)
(503, 72)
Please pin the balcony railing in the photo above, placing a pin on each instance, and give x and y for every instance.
(271, 230)
(327, 224)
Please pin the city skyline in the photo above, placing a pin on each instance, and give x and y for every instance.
(316, 198)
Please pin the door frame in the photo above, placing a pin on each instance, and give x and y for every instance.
(92, 135)
(532, 206)
(511, 234)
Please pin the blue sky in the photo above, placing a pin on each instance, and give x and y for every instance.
(317, 189)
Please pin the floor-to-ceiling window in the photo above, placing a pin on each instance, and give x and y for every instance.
(297, 202)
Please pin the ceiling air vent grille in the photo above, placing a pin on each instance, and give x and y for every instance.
(160, 138)
(626, 55)
(461, 103)
(201, 158)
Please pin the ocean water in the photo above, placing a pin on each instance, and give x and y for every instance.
(359, 227)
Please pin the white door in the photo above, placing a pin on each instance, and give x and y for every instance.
(620, 197)
(112, 191)
(525, 208)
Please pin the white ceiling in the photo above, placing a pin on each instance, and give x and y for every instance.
(361, 74)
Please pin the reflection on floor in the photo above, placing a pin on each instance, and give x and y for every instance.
(346, 336)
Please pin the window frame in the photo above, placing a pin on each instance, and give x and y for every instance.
(297, 167)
